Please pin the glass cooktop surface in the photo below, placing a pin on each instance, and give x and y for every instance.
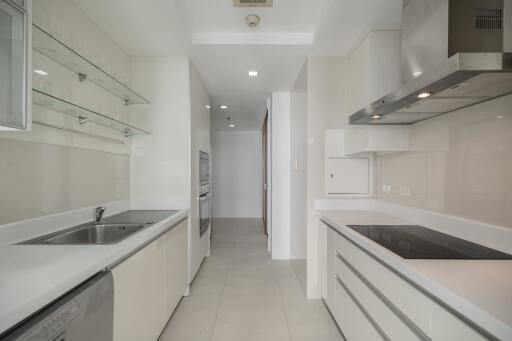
(417, 242)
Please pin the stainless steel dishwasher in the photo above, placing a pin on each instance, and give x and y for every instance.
(84, 314)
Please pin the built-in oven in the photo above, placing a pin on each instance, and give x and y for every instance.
(204, 168)
(14, 64)
(204, 209)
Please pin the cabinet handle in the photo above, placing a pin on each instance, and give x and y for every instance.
(366, 314)
(399, 313)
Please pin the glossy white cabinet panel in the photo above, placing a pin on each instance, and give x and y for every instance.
(445, 326)
(15, 73)
(388, 320)
(175, 265)
(366, 139)
(353, 323)
(329, 280)
(408, 299)
(138, 289)
(149, 285)
(348, 176)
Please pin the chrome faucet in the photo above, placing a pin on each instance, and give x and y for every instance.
(98, 213)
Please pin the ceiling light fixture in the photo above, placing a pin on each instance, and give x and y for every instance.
(417, 74)
(499, 117)
(41, 72)
(376, 117)
(252, 20)
(253, 73)
(207, 107)
(424, 95)
(231, 125)
(224, 107)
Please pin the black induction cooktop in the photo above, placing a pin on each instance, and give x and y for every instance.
(417, 242)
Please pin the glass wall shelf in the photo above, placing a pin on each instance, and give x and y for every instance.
(51, 47)
(82, 114)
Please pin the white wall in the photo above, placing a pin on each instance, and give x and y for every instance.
(161, 162)
(200, 140)
(237, 174)
(281, 174)
(47, 171)
(298, 181)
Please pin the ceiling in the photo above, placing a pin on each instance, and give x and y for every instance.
(223, 48)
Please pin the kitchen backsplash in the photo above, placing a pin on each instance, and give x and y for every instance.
(48, 171)
(39, 179)
(458, 164)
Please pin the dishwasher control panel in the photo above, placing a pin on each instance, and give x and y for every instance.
(53, 327)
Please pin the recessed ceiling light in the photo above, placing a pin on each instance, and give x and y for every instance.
(223, 106)
(41, 72)
(424, 95)
(207, 107)
(417, 74)
(231, 125)
(499, 117)
(253, 73)
(376, 117)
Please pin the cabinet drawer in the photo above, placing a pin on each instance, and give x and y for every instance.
(446, 326)
(354, 324)
(412, 302)
(392, 321)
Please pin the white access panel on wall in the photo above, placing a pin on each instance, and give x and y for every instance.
(348, 176)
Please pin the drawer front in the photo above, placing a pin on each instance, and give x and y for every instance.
(331, 247)
(446, 326)
(393, 321)
(354, 324)
(412, 302)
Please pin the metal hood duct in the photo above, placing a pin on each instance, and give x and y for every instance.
(452, 57)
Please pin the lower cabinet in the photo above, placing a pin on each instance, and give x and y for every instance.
(149, 285)
(371, 302)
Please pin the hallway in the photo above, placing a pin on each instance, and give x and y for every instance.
(241, 294)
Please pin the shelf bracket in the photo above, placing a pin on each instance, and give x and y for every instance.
(82, 120)
(127, 102)
(82, 77)
(128, 133)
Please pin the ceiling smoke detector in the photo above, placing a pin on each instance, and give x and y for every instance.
(252, 20)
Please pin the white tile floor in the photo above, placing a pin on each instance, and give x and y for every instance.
(241, 294)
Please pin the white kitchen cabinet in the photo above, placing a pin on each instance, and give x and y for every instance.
(329, 297)
(348, 176)
(446, 326)
(138, 289)
(15, 65)
(373, 303)
(176, 266)
(351, 320)
(148, 286)
(366, 139)
(373, 68)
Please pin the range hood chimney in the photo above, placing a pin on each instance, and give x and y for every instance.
(454, 55)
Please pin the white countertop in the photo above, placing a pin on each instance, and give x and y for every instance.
(481, 290)
(31, 276)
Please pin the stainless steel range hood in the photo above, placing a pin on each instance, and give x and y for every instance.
(452, 57)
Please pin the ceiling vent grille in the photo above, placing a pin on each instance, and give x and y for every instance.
(489, 19)
(252, 3)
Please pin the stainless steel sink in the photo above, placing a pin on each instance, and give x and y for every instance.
(90, 234)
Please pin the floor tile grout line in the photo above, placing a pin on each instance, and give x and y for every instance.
(210, 338)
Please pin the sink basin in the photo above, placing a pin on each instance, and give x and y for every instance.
(90, 234)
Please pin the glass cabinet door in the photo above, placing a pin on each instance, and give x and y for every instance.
(13, 64)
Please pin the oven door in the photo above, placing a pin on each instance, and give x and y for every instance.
(204, 168)
(14, 64)
(204, 213)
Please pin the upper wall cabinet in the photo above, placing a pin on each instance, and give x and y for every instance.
(373, 68)
(368, 139)
(373, 71)
(15, 64)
